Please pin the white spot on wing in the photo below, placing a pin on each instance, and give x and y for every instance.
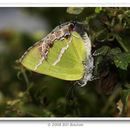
(43, 44)
(62, 38)
(75, 35)
(62, 52)
(39, 63)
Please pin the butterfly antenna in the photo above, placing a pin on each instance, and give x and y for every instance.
(70, 91)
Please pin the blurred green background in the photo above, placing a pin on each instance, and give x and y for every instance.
(27, 94)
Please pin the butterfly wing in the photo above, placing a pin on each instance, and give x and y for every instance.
(69, 66)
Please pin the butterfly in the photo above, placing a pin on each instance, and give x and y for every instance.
(65, 53)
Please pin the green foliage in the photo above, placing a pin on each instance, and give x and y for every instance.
(124, 98)
(123, 40)
(75, 10)
(115, 51)
(122, 60)
(101, 51)
(98, 10)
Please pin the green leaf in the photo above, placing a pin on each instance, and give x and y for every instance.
(124, 42)
(121, 60)
(75, 10)
(98, 10)
(127, 85)
(115, 51)
(127, 13)
(124, 98)
(101, 51)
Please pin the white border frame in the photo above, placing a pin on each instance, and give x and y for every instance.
(65, 119)
(65, 4)
(58, 3)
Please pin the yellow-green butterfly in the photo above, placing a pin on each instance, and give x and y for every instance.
(65, 53)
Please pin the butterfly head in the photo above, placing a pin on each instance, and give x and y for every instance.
(80, 27)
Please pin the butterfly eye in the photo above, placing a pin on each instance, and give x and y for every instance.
(75, 27)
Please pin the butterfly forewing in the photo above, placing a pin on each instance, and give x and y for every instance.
(69, 66)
